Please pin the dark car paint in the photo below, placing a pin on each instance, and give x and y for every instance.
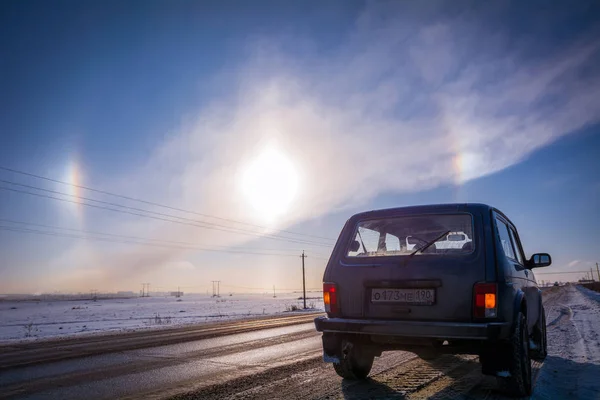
(396, 271)
(519, 276)
(517, 287)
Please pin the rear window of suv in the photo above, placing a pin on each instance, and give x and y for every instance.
(399, 236)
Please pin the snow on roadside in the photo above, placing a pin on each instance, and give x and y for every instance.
(33, 320)
(572, 369)
(589, 293)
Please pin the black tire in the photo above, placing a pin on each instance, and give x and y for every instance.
(428, 355)
(355, 364)
(540, 339)
(518, 384)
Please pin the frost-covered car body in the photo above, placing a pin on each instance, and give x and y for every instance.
(381, 295)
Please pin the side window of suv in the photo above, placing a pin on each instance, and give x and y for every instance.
(504, 235)
(517, 246)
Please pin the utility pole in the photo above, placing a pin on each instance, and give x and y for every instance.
(598, 271)
(592, 274)
(274, 291)
(303, 256)
(145, 290)
(215, 285)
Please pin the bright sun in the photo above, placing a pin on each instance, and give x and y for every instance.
(270, 183)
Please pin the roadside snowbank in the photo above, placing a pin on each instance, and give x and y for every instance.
(589, 293)
(31, 320)
(572, 369)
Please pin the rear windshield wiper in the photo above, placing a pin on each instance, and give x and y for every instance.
(422, 249)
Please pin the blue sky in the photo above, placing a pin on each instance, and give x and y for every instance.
(365, 105)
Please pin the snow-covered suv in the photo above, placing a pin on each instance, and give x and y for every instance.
(477, 298)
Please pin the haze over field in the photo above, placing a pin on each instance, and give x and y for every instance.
(285, 117)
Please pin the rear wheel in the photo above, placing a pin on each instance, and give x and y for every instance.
(355, 363)
(539, 338)
(428, 355)
(518, 381)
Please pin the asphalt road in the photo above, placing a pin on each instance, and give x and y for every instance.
(153, 364)
(275, 358)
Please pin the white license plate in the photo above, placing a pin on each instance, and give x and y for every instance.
(408, 296)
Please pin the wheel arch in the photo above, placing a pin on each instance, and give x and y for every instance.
(520, 305)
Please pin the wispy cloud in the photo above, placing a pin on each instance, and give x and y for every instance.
(410, 100)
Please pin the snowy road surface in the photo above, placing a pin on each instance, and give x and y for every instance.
(572, 369)
(284, 362)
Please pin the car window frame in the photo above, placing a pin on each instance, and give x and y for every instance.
(499, 220)
(517, 245)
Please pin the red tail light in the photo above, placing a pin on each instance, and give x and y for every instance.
(330, 298)
(485, 300)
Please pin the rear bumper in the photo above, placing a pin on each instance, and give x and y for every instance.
(416, 329)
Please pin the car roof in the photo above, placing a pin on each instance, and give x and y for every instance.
(425, 209)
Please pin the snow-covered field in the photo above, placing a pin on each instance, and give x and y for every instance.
(572, 369)
(31, 320)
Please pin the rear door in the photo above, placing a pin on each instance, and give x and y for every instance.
(381, 280)
(532, 292)
(517, 273)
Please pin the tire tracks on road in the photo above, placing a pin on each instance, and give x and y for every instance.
(18, 355)
(408, 377)
(146, 363)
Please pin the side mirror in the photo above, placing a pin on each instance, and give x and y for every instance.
(540, 260)
(354, 246)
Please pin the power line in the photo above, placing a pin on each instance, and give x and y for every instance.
(195, 223)
(157, 204)
(141, 238)
(66, 235)
(262, 288)
(559, 273)
(73, 236)
(200, 224)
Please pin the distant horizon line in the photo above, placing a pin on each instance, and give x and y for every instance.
(137, 294)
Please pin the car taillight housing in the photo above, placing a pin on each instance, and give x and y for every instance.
(330, 298)
(485, 301)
